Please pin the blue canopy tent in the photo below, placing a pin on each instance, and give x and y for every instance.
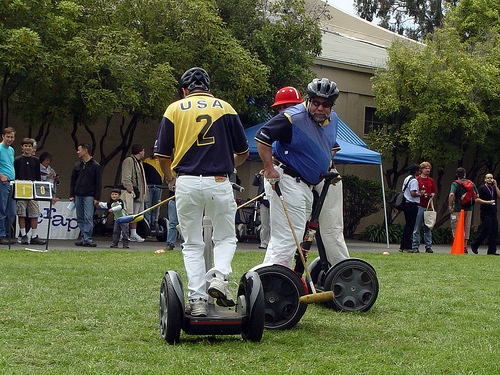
(352, 151)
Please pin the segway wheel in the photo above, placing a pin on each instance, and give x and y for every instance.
(162, 223)
(282, 290)
(251, 290)
(171, 313)
(354, 284)
(317, 274)
(143, 228)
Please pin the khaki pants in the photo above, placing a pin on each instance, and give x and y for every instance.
(454, 216)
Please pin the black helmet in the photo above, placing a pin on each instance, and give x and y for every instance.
(324, 88)
(195, 78)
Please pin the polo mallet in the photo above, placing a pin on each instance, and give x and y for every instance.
(314, 297)
(138, 217)
(250, 201)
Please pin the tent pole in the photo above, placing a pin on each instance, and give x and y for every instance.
(385, 205)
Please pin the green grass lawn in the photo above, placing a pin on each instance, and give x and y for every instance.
(69, 312)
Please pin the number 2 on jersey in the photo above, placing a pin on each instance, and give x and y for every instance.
(203, 140)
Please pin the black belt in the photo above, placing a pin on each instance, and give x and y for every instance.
(290, 171)
(204, 175)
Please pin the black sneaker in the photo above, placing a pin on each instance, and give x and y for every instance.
(24, 240)
(90, 244)
(37, 241)
(79, 243)
(428, 250)
(113, 246)
(474, 248)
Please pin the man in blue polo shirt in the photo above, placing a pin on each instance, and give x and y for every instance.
(7, 174)
(296, 147)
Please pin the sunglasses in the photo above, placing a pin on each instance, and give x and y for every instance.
(317, 103)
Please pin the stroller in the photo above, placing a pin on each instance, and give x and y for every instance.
(248, 222)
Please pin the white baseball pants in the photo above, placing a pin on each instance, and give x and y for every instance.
(196, 196)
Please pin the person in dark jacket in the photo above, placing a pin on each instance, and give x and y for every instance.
(85, 191)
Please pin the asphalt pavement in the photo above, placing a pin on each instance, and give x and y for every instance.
(151, 244)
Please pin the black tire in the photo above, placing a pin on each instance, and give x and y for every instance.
(282, 291)
(171, 314)
(162, 223)
(354, 284)
(143, 228)
(254, 327)
(317, 274)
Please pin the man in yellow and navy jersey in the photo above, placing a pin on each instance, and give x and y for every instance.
(201, 140)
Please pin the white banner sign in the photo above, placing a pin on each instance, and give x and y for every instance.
(63, 221)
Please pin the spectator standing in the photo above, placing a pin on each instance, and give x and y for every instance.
(85, 191)
(173, 221)
(455, 205)
(136, 188)
(154, 178)
(47, 172)
(117, 207)
(412, 196)
(428, 189)
(488, 194)
(7, 174)
(27, 168)
(209, 141)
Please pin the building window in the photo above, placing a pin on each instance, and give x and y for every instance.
(372, 122)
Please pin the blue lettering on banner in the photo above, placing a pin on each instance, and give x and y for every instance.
(59, 220)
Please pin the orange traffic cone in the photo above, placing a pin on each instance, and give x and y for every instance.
(459, 241)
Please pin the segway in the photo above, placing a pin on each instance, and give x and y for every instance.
(247, 318)
(353, 281)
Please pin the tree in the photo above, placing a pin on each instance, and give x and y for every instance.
(412, 18)
(94, 64)
(440, 101)
(286, 38)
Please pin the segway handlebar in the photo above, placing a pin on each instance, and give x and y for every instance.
(328, 176)
(237, 187)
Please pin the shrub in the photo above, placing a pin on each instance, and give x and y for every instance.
(361, 198)
(442, 236)
(376, 233)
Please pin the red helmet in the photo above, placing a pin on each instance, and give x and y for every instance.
(287, 95)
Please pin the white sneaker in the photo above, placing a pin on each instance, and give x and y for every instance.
(197, 307)
(220, 289)
(136, 238)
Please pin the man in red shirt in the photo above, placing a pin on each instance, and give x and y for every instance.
(428, 190)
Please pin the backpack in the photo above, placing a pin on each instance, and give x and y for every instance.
(467, 194)
(398, 200)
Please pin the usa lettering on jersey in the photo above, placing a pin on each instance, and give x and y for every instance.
(199, 104)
